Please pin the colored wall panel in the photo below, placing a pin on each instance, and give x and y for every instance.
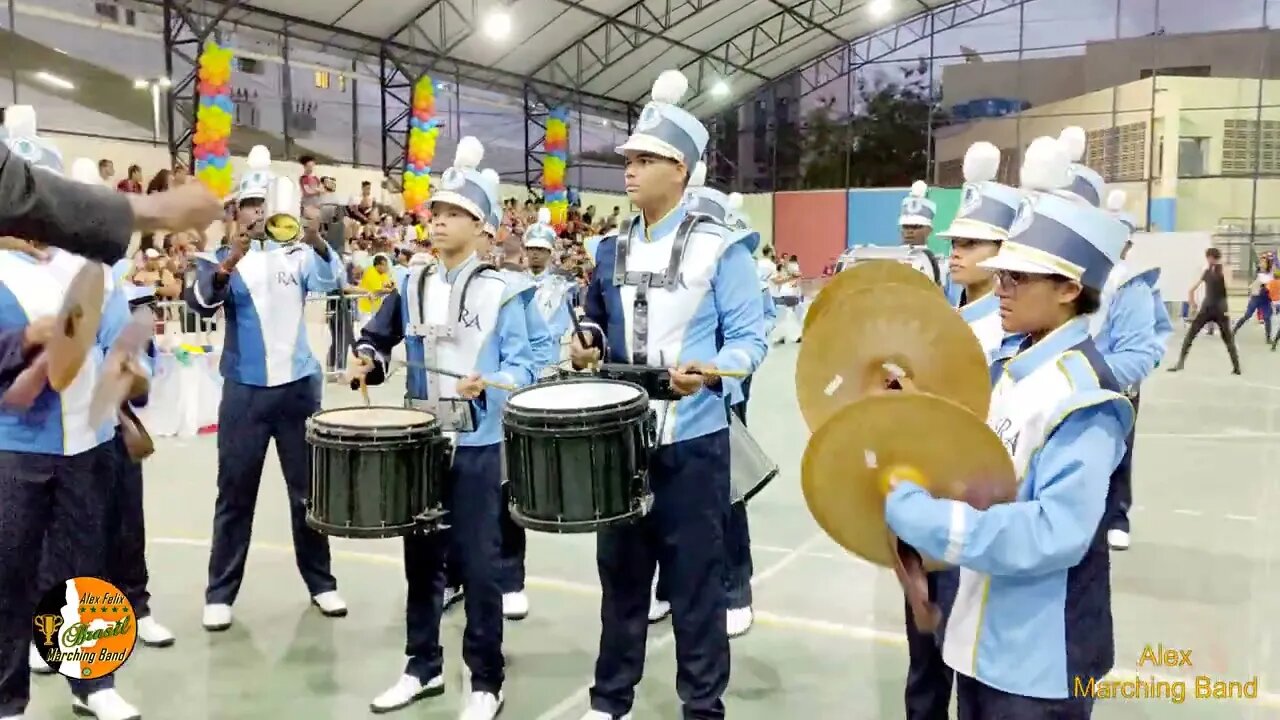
(1164, 214)
(873, 216)
(811, 226)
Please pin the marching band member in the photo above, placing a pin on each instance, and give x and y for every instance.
(737, 535)
(981, 225)
(1033, 610)
(271, 379)
(915, 220)
(553, 287)
(488, 338)
(1086, 183)
(986, 211)
(52, 460)
(1131, 329)
(664, 287)
(544, 346)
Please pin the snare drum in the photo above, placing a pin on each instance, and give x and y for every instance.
(749, 467)
(576, 455)
(376, 472)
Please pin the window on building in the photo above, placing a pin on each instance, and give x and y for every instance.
(1193, 157)
(1250, 146)
(322, 80)
(342, 83)
(1118, 154)
(1184, 71)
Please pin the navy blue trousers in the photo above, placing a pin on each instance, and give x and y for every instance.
(511, 563)
(64, 504)
(248, 418)
(1120, 494)
(473, 500)
(928, 690)
(684, 533)
(975, 701)
(127, 564)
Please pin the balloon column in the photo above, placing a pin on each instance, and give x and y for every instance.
(213, 120)
(556, 145)
(423, 131)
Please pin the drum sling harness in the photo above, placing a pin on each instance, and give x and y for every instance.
(454, 414)
(642, 281)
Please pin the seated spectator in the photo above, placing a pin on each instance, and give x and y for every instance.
(376, 281)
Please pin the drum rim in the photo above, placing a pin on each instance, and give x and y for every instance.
(315, 424)
(641, 400)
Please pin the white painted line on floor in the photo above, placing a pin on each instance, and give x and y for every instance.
(1228, 434)
(1191, 513)
(577, 698)
(1243, 518)
(768, 619)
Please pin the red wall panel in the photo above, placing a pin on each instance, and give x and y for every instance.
(810, 225)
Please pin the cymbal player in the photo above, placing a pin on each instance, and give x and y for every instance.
(1033, 608)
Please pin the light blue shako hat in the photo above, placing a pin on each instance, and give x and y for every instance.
(664, 129)
(1054, 233)
(19, 134)
(541, 234)
(492, 181)
(465, 186)
(1086, 183)
(987, 208)
(698, 198)
(916, 208)
(1116, 200)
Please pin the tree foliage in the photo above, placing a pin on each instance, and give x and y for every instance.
(883, 142)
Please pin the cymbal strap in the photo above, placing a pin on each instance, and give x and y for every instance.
(909, 567)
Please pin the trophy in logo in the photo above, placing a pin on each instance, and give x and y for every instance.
(48, 624)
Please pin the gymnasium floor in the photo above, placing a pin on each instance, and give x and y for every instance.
(827, 643)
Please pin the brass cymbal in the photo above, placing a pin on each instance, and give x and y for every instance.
(867, 273)
(938, 444)
(77, 327)
(844, 353)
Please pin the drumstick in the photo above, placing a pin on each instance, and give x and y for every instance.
(364, 391)
(713, 372)
(460, 376)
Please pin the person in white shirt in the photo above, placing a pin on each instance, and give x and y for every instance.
(787, 281)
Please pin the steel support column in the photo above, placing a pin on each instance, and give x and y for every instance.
(397, 78)
(185, 32)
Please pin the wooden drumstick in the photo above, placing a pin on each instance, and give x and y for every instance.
(364, 391)
(714, 372)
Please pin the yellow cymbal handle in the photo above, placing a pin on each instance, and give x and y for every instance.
(364, 391)
(894, 473)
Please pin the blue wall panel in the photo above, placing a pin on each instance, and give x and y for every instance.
(873, 216)
(1164, 214)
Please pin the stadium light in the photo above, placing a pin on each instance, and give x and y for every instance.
(880, 8)
(497, 24)
(153, 86)
(720, 89)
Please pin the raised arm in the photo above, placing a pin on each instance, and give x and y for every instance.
(209, 290)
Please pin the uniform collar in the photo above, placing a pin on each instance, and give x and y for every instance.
(980, 308)
(1029, 359)
(451, 275)
(665, 226)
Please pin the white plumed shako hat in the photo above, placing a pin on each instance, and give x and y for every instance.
(987, 208)
(916, 208)
(666, 130)
(541, 234)
(465, 186)
(1086, 183)
(1054, 233)
(19, 134)
(257, 176)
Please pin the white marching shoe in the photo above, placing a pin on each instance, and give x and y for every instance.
(153, 634)
(105, 705)
(407, 690)
(331, 604)
(216, 617)
(738, 621)
(1118, 539)
(597, 715)
(515, 606)
(37, 663)
(658, 610)
(482, 706)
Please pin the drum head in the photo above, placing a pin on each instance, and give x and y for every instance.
(373, 417)
(575, 395)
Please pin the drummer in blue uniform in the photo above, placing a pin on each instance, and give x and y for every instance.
(271, 380)
(676, 291)
(458, 316)
(57, 470)
(1031, 618)
(545, 349)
